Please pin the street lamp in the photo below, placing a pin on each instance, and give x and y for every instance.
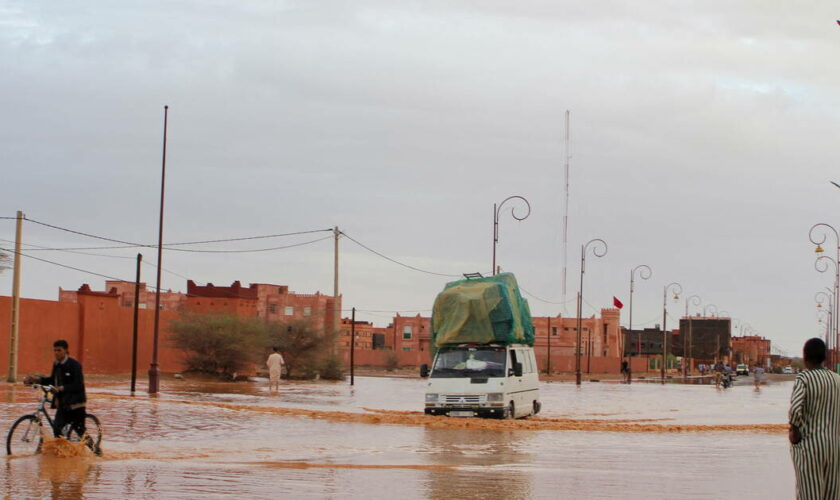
(644, 273)
(497, 209)
(677, 288)
(694, 299)
(821, 298)
(599, 249)
(818, 234)
(707, 307)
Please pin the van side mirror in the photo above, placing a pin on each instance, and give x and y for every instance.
(517, 369)
(424, 370)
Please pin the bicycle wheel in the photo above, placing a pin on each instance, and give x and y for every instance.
(93, 433)
(25, 436)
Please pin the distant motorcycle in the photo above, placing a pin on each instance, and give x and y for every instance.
(726, 380)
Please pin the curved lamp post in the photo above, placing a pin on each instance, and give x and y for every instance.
(645, 273)
(599, 249)
(818, 234)
(707, 307)
(497, 209)
(821, 298)
(689, 366)
(677, 288)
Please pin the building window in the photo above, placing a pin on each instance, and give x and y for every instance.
(407, 332)
(289, 311)
(307, 311)
(406, 348)
(554, 330)
(272, 308)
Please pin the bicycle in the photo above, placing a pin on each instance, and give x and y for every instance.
(25, 436)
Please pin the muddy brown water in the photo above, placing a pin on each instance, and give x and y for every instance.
(327, 440)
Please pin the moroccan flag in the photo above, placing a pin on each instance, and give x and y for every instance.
(617, 303)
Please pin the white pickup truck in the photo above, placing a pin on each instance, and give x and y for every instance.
(485, 380)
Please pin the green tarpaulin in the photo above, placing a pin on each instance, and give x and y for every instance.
(482, 311)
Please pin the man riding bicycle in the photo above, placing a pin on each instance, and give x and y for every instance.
(68, 383)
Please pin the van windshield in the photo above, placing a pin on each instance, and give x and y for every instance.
(470, 362)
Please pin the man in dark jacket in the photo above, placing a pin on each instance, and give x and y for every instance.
(68, 383)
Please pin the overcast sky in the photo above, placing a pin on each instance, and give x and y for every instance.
(704, 135)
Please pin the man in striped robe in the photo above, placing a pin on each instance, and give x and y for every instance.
(815, 427)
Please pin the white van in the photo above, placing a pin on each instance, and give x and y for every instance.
(485, 380)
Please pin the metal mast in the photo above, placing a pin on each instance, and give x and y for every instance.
(566, 215)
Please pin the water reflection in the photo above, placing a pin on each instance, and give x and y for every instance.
(494, 456)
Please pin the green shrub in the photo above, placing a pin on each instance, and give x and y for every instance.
(217, 343)
(332, 368)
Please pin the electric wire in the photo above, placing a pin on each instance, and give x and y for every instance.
(396, 261)
(129, 244)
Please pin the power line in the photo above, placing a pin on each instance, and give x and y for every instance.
(545, 300)
(396, 261)
(80, 233)
(129, 244)
(64, 265)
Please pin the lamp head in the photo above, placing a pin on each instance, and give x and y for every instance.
(819, 249)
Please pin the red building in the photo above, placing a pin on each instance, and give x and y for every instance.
(169, 300)
(751, 350)
(270, 302)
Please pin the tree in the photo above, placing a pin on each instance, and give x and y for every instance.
(218, 343)
(306, 350)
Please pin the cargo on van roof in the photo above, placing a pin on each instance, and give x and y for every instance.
(482, 311)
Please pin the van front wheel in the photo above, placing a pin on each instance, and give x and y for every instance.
(511, 410)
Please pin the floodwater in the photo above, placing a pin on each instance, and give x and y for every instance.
(328, 440)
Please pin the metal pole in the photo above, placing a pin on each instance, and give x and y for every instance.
(495, 236)
(836, 318)
(548, 361)
(664, 333)
(580, 313)
(630, 328)
(352, 346)
(496, 210)
(154, 372)
(577, 345)
(678, 290)
(336, 306)
(134, 330)
(14, 337)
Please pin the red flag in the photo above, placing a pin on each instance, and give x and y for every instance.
(617, 303)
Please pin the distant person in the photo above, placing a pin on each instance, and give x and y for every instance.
(625, 370)
(68, 384)
(758, 375)
(718, 374)
(275, 368)
(814, 418)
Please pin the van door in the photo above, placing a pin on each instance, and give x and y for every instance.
(515, 383)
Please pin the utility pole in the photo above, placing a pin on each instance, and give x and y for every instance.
(134, 330)
(154, 371)
(336, 306)
(14, 337)
(352, 346)
(548, 337)
(577, 345)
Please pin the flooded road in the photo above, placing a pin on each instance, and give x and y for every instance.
(327, 440)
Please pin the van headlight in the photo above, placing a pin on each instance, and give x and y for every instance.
(432, 398)
(495, 396)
